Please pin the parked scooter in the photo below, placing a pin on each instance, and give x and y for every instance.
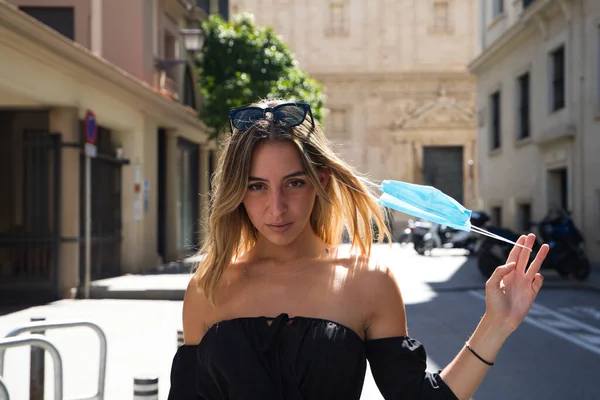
(418, 229)
(428, 235)
(566, 256)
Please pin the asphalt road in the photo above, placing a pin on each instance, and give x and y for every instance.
(555, 354)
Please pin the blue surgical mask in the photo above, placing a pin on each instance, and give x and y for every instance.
(425, 202)
(430, 204)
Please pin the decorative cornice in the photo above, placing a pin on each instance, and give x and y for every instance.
(564, 131)
(567, 8)
(446, 112)
(379, 76)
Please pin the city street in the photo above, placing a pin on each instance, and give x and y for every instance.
(555, 354)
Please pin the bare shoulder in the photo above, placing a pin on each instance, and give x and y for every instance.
(376, 286)
(196, 309)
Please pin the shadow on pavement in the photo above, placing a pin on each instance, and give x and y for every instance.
(532, 361)
(175, 267)
(9, 309)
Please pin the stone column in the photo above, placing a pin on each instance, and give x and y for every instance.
(65, 120)
(132, 143)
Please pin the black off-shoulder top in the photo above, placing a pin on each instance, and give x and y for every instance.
(299, 358)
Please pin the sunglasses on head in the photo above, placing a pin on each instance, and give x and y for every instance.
(287, 114)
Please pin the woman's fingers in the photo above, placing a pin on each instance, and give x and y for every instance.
(525, 253)
(499, 273)
(536, 264)
(537, 283)
(516, 250)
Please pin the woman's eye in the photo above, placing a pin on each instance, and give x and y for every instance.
(255, 186)
(296, 183)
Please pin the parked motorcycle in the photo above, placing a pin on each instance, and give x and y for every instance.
(427, 236)
(567, 255)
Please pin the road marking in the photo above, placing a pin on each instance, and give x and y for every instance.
(572, 330)
(595, 339)
(590, 312)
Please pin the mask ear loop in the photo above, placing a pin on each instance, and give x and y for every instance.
(497, 237)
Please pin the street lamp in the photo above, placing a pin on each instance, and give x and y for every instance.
(193, 39)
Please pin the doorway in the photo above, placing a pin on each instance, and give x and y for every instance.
(30, 207)
(558, 188)
(443, 169)
(106, 207)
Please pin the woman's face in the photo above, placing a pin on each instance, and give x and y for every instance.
(279, 198)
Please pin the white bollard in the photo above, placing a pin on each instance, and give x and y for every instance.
(179, 338)
(145, 388)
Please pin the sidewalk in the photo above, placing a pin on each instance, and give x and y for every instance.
(141, 340)
(170, 282)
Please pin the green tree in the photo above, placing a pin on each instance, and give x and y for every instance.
(242, 62)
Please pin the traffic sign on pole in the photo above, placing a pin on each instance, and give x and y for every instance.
(91, 127)
(90, 150)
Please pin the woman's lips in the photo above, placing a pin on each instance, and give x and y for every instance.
(279, 227)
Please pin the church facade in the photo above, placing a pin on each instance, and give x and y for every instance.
(400, 99)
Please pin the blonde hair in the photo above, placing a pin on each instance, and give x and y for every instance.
(345, 202)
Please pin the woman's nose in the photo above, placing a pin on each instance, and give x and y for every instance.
(278, 204)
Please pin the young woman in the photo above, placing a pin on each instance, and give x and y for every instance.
(274, 312)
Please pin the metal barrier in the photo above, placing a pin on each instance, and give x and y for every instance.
(4, 395)
(39, 341)
(35, 326)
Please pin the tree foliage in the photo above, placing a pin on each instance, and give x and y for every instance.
(242, 62)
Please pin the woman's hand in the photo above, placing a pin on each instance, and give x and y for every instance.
(513, 287)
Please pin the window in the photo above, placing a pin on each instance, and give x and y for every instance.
(558, 188)
(497, 7)
(523, 115)
(189, 88)
(338, 18)
(495, 126)
(496, 216)
(170, 52)
(524, 222)
(441, 16)
(61, 19)
(224, 9)
(338, 123)
(557, 59)
(527, 3)
(204, 5)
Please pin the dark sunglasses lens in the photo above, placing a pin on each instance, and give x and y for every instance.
(290, 115)
(245, 118)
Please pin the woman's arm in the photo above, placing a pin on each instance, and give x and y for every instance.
(465, 373)
(510, 293)
(196, 310)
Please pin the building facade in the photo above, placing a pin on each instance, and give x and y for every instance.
(128, 65)
(401, 100)
(538, 106)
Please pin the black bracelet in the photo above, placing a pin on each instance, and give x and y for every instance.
(477, 355)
